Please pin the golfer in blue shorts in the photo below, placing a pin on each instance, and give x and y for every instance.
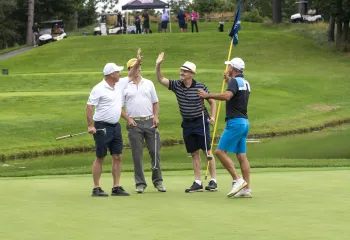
(234, 137)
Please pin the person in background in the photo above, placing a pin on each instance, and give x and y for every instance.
(186, 21)
(138, 23)
(182, 21)
(35, 29)
(146, 21)
(194, 19)
(165, 20)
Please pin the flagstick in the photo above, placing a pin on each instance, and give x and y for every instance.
(218, 113)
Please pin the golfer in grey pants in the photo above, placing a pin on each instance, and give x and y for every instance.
(141, 102)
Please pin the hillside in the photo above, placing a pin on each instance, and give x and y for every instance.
(295, 83)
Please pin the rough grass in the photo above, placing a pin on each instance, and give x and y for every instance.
(309, 151)
(45, 95)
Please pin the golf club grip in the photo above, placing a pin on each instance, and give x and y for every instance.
(63, 137)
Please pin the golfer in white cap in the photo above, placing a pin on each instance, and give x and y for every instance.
(106, 97)
(195, 123)
(234, 137)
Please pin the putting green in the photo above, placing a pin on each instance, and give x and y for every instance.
(287, 204)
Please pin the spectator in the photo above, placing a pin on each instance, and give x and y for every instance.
(165, 20)
(181, 18)
(194, 19)
(138, 23)
(146, 21)
(35, 29)
(119, 19)
(186, 20)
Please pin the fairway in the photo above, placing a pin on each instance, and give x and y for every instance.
(45, 95)
(286, 204)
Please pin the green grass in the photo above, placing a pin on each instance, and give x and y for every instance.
(46, 92)
(309, 151)
(286, 204)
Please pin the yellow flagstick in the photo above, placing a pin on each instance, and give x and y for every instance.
(217, 114)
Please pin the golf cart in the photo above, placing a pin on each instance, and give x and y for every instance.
(122, 30)
(311, 17)
(52, 30)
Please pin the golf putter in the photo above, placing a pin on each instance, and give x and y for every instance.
(77, 134)
(209, 157)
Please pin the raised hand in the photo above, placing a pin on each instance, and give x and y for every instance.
(139, 57)
(160, 58)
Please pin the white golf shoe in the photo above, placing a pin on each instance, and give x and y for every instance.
(244, 193)
(237, 186)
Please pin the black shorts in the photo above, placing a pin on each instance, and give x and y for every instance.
(181, 24)
(193, 134)
(146, 24)
(164, 24)
(112, 139)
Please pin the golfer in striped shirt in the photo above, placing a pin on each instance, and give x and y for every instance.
(195, 129)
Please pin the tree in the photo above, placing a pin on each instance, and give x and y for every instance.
(30, 22)
(87, 14)
(8, 34)
(205, 6)
(176, 5)
(339, 17)
(276, 11)
(108, 5)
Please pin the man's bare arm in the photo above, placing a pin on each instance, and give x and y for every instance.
(91, 128)
(133, 70)
(160, 78)
(212, 108)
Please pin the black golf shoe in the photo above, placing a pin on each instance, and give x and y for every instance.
(212, 186)
(119, 191)
(195, 188)
(98, 192)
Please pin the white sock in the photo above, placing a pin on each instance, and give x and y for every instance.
(198, 182)
(213, 179)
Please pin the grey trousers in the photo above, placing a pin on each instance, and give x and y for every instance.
(137, 135)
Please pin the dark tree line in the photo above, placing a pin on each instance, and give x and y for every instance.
(14, 16)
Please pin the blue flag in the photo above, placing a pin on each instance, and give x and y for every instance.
(236, 25)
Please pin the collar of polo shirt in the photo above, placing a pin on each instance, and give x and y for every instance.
(141, 81)
(106, 84)
(192, 85)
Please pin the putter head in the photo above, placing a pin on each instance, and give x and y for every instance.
(209, 157)
(205, 178)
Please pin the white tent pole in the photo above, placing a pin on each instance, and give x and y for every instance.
(170, 19)
(127, 21)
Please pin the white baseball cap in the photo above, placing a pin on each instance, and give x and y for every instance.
(189, 66)
(237, 63)
(111, 68)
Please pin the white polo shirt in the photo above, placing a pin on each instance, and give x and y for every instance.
(139, 99)
(108, 101)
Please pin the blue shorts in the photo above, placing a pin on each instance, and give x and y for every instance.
(234, 137)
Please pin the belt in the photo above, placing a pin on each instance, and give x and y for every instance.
(142, 118)
(107, 124)
(191, 119)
